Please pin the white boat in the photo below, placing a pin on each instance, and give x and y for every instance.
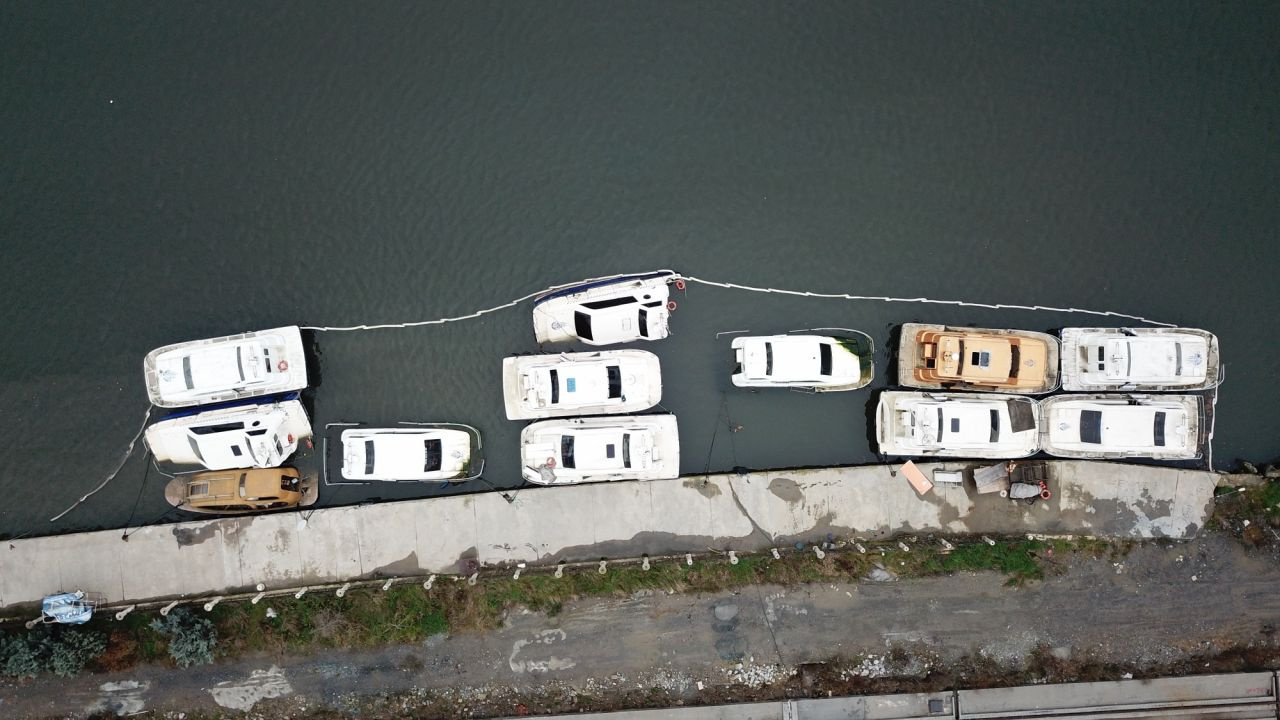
(623, 447)
(220, 369)
(1139, 359)
(972, 425)
(941, 357)
(821, 363)
(248, 435)
(589, 383)
(1166, 427)
(606, 311)
(436, 452)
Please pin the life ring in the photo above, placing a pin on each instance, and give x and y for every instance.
(1045, 494)
(679, 284)
(551, 463)
(289, 439)
(671, 306)
(282, 366)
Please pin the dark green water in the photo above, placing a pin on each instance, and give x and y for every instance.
(175, 171)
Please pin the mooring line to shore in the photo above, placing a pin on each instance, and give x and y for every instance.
(749, 288)
(923, 300)
(127, 454)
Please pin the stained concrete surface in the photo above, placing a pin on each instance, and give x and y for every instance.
(748, 512)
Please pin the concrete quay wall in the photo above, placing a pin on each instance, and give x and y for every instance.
(749, 512)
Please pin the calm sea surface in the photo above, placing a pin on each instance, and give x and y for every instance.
(174, 171)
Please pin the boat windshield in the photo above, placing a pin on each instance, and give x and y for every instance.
(566, 451)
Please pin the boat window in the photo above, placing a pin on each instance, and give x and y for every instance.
(240, 362)
(980, 358)
(434, 457)
(655, 303)
(955, 425)
(195, 449)
(368, 457)
(582, 325)
(555, 387)
(609, 450)
(255, 433)
(615, 381)
(940, 426)
(266, 358)
(626, 450)
(644, 323)
(222, 427)
(824, 355)
(768, 358)
(1177, 370)
(1091, 426)
(608, 303)
(288, 483)
(243, 477)
(995, 426)
(1159, 429)
(235, 450)
(279, 448)
(196, 490)
(566, 451)
(1015, 360)
(186, 372)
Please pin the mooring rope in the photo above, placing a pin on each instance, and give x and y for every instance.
(931, 301)
(749, 288)
(127, 453)
(469, 316)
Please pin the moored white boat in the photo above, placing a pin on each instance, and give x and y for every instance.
(623, 447)
(1164, 427)
(588, 383)
(427, 452)
(240, 436)
(241, 491)
(940, 357)
(233, 367)
(606, 311)
(821, 363)
(973, 425)
(1139, 359)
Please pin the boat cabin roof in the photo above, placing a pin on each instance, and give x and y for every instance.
(231, 487)
(570, 384)
(1120, 427)
(790, 359)
(212, 368)
(1151, 359)
(606, 448)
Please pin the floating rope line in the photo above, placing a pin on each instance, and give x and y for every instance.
(127, 453)
(885, 298)
(470, 316)
(750, 288)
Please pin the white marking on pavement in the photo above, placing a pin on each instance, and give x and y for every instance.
(122, 698)
(545, 637)
(260, 685)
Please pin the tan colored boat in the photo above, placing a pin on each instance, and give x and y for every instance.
(938, 357)
(239, 492)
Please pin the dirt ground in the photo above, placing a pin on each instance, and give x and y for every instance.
(1163, 608)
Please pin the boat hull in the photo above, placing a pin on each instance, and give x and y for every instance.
(894, 438)
(288, 340)
(519, 393)
(911, 358)
(1076, 340)
(1054, 443)
(536, 437)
